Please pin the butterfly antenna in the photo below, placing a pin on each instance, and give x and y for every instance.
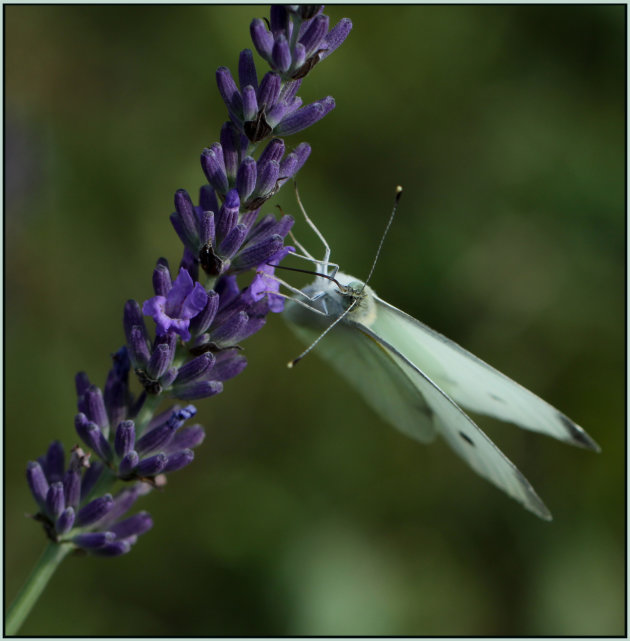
(295, 361)
(399, 191)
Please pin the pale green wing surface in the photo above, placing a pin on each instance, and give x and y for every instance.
(377, 377)
(469, 381)
(459, 431)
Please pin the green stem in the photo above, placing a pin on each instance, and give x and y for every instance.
(53, 555)
(147, 411)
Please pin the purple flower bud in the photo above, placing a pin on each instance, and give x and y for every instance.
(65, 521)
(228, 290)
(92, 436)
(133, 526)
(169, 340)
(128, 463)
(263, 229)
(116, 548)
(179, 460)
(280, 54)
(162, 278)
(293, 105)
(55, 502)
(95, 510)
(305, 117)
(227, 333)
(186, 438)
(199, 389)
(72, 488)
(267, 177)
(250, 103)
(233, 241)
(278, 18)
(246, 178)
(200, 323)
(282, 228)
(248, 218)
(289, 91)
(247, 69)
(169, 377)
(230, 150)
(314, 34)
(272, 152)
(336, 36)
(288, 168)
(179, 228)
(95, 407)
(228, 215)
(132, 314)
(152, 465)
(277, 113)
(37, 483)
(91, 476)
(82, 382)
(208, 199)
(269, 89)
(93, 540)
(206, 224)
(184, 219)
(229, 364)
(136, 334)
(116, 399)
(299, 55)
(229, 92)
(123, 502)
(294, 161)
(195, 369)
(55, 462)
(159, 362)
(214, 168)
(124, 438)
(155, 439)
(259, 253)
(120, 364)
(262, 39)
(138, 347)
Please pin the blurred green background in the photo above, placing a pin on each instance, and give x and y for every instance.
(304, 514)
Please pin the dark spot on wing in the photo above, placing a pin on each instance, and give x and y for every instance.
(467, 439)
(577, 434)
(532, 501)
(495, 397)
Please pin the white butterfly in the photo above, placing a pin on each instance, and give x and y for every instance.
(419, 380)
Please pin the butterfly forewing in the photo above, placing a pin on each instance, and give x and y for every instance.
(471, 382)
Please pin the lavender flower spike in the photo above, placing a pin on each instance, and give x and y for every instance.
(221, 296)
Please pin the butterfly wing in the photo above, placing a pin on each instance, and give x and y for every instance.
(469, 381)
(459, 431)
(376, 377)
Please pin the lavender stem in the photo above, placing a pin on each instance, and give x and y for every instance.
(53, 555)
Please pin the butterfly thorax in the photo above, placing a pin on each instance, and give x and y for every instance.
(332, 299)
